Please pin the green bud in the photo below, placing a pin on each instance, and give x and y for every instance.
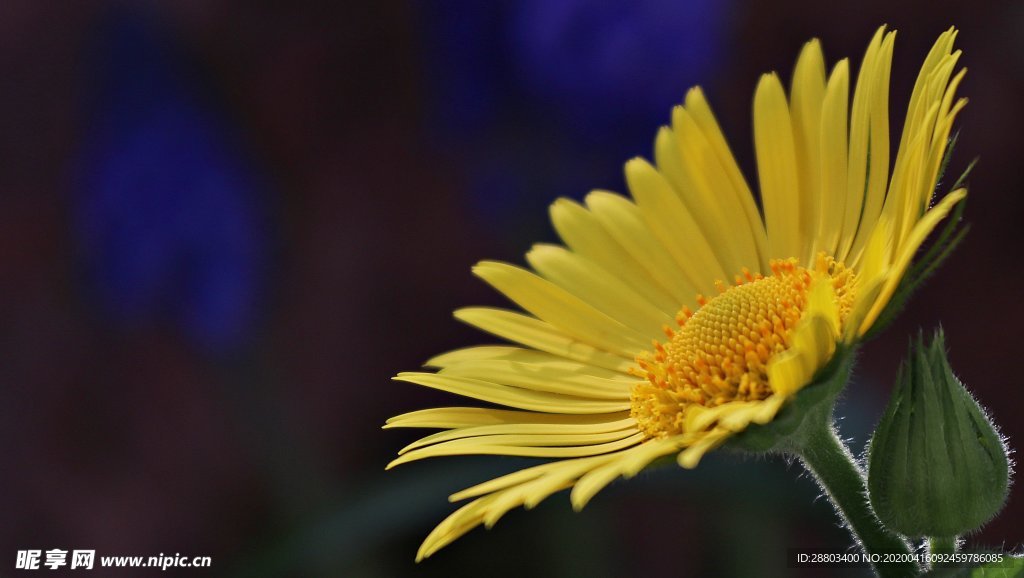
(937, 466)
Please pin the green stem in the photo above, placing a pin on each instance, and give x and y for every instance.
(836, 471)
(938, 545)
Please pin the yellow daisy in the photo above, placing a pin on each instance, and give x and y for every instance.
(674, 319)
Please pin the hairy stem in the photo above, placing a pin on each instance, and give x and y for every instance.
(946, 545)
(837, 472)
(937, 545)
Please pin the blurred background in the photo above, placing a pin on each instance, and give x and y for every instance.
(225, 225)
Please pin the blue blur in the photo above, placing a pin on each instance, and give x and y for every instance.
(166, 209)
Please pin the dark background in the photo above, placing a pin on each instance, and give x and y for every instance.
(224, 225)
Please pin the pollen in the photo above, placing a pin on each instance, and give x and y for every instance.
(719, 353)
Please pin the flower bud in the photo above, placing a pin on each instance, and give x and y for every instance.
(937, 466)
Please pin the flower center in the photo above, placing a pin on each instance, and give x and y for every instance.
(720, 353)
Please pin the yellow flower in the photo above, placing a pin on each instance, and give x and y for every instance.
(673, 320)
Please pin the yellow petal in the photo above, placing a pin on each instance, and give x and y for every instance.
(777, 169)
(691, 456)
(468, 417)
(834, 142)
(673, 225)
(812, 343)
(906, 253)
(625, 464)
(877, 95)
(585, 235)
(624, 221)
(860, 142)
(701, 113)
(540, 335)
(454, 526)
(513, 396)
(539, 359)
(806, 110)
(598, 288)
(541, 378)
(473, 447)
(533, 429)
(561, 309)
(688, 161)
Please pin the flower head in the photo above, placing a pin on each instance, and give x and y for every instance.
(673, 320)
